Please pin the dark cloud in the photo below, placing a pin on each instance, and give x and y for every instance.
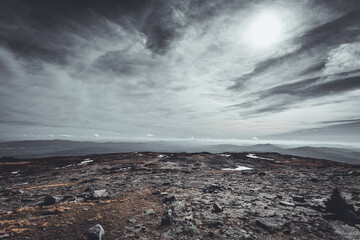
(356, 121)
(314, 88)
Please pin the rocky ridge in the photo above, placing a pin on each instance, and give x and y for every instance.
(179, 196)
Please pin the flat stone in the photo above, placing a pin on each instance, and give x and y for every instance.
(4, 236)
(288, 204)
(271, 224)
(298, 198)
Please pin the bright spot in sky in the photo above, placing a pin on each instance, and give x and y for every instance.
(265, 29)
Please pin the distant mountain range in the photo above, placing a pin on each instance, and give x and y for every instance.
(49, 148)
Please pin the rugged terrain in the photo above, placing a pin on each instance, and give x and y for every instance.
(179, 196)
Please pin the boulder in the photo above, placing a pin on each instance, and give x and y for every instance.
(169, 199)
(217, 208)
(96, 194)
(167, 219)
(50, 200)
(95, 233)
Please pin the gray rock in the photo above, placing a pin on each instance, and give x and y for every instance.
(169, 199)
(95, 233)
(314, 180)
(4, 236)
(236, 233)
(138, 226)
(346, 231)
(217, 208)
(213, 223)
(288, 204)
(271, 224)
(149, 212)
(167, 219)
(298, 198)
(50, 200)
(99, 194)
(192, 231)
(131, 220)
(179, 206)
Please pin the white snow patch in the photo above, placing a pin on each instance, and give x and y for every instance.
(15, 172)
(67, 166)
(86, 161)
(239, 168)
(162, 156)
(225, 155)
(251, 155)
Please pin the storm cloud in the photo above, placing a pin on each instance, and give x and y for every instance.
(176, 69)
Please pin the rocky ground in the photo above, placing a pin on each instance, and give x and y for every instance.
(179, 196)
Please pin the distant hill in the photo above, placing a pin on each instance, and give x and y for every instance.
(49, 148)
(335, 154)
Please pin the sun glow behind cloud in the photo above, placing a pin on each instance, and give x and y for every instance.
(265, 29)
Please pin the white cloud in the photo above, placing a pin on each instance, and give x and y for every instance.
(66, 135)
(344, 58)
(150, 135)
(96, 135)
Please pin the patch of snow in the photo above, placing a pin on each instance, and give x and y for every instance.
(15, 172)
(67, 166)
(86, 161)
(125, 168)
(225, 155)
(251, 155)
(162, 156)
(239, 168)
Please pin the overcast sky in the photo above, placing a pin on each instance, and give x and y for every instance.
(180, 69)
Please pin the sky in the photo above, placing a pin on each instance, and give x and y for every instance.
(198, 69)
